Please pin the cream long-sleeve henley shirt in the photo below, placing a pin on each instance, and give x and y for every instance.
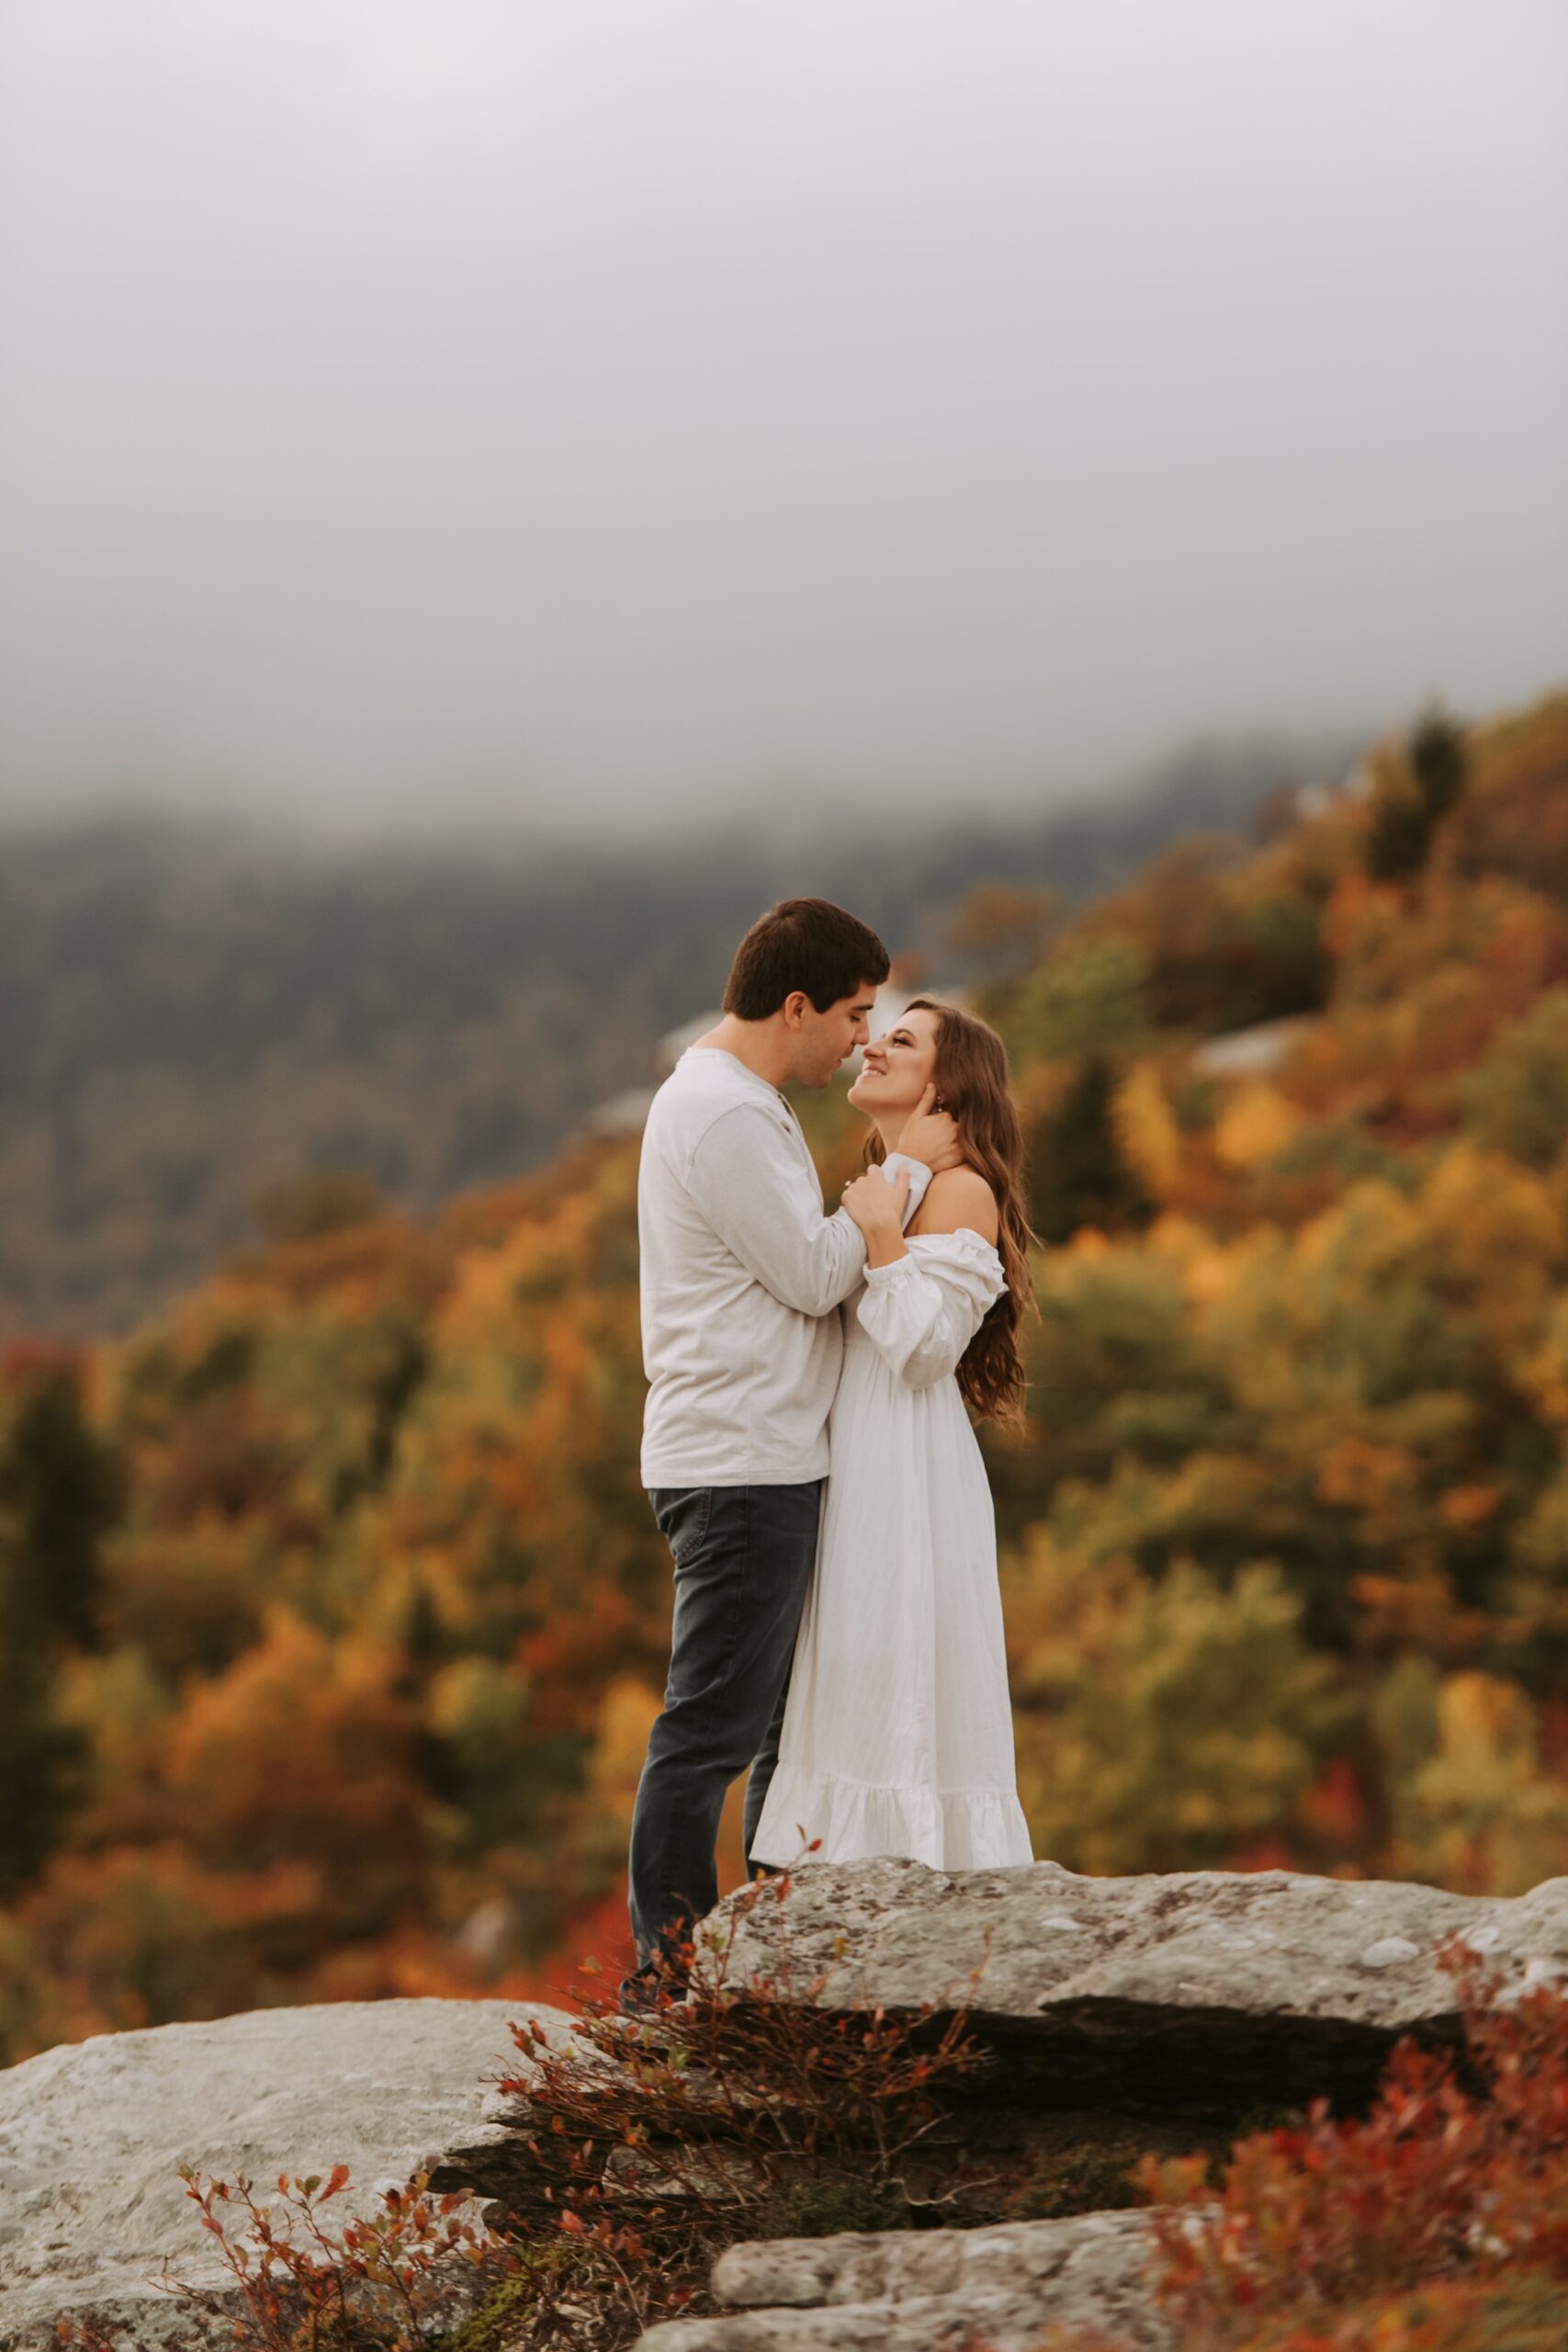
(742, 1274)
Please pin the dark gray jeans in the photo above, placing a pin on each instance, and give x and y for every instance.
(743, 1559)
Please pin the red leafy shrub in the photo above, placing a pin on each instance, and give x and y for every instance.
(740, 2110)
(303, 2280)
(1399, 2224)
(1528, 2313)
(385, 2282)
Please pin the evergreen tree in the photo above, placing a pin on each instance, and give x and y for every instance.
(1079, 1173)
(1412, 799)
(60, 1491)
(39, 1756)
(59, 1488)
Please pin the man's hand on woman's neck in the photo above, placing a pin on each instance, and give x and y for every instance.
(923, 1133)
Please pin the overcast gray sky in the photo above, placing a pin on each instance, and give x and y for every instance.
(566, 409)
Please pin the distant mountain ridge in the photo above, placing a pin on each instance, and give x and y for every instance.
(189, 1014)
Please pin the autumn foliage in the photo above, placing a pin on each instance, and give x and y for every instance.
(1438, 2219)
(384, 2281)
(332, 1616)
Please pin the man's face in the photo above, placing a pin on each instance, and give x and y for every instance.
(824, 1041)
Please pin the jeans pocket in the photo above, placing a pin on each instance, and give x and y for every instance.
(683, 1513)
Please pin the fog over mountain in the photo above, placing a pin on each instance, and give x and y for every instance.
(192, 1012)
(591, 418)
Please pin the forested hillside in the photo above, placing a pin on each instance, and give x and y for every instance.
(334, 1615)
(189, 1016)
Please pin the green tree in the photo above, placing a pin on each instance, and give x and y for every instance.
(1078, 1172)
(1517, 1098)
(60, 1492)
(61, 1485)
(1089, 996)
(1413, 795)
(1161, 1724)
(40, 1756)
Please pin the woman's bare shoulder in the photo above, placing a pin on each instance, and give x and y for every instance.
(959, 1196)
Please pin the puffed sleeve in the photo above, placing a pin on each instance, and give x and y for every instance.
(922, 1311)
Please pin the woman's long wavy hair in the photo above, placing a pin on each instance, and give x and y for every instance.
(971, 1076)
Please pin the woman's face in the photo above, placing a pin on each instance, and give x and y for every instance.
(899, 1067)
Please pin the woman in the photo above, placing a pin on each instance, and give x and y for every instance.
(898, 1733)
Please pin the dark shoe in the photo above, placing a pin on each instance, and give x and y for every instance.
(650, 1991)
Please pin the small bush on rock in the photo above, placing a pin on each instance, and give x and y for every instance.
(730, 2111)
(1438, 2222)
(387, 2282)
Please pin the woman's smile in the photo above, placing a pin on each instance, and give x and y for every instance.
(897, 1067)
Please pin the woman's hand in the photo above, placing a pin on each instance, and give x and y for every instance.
(877, 1203)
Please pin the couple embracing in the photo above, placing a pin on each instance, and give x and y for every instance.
(805, 1447)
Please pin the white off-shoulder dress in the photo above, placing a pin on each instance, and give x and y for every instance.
(898, 1733)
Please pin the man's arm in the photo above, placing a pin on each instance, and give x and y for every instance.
(746, 1180)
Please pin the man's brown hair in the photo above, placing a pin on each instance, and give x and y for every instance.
(806, 943)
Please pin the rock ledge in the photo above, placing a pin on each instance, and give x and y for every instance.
(92, 2136)
(1198, 1992)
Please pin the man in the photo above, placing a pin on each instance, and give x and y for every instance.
(742, 1275)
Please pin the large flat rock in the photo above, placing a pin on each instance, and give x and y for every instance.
(92, 2136)
(1197, 1992)
(931, 2290)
